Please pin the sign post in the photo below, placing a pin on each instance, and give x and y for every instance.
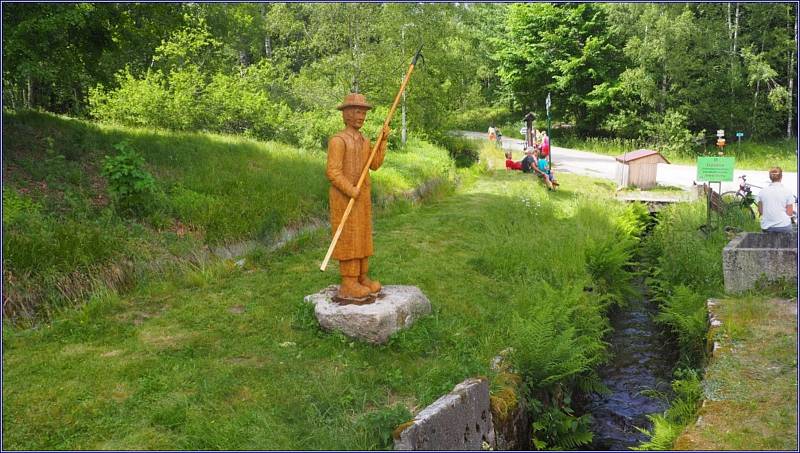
(529, 128)
(714, 169)
(739, 135)
(549, 138)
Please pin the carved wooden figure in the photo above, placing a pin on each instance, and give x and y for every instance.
(348, 152)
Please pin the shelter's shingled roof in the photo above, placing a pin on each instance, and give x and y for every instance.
(638, 154)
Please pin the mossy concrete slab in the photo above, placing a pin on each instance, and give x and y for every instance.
(460, 420)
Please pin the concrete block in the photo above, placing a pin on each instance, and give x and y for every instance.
(396, 307)
(748, 256)
(460, 420)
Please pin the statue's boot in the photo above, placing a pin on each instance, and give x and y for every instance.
(374, 287)
(351, 289)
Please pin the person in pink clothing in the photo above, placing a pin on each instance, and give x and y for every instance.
(545, 148)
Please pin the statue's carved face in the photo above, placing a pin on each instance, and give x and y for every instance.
(354, 116)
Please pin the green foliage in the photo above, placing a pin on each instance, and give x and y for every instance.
(463, 151)
(479, 119)
(557, 428)
(634, 220)
(671, 135)
(681, 253)
(378, 425)
(16, 207)
(133, 189)
(575, 64)
(684, 311)
(186, 99)
(607, 264)
(683, 408)
(549, 344)
(626, 69)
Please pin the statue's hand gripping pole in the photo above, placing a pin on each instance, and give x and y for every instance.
(375, 148)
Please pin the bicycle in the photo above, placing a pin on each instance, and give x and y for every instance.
(738, 205)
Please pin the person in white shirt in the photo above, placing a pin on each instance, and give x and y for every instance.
(776, 205)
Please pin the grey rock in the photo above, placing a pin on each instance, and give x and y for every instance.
(397, 307)
(750, 255)
(460, 420)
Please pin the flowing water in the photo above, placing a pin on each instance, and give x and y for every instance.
(643, 357)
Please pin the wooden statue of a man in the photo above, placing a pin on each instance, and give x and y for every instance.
(348, 152)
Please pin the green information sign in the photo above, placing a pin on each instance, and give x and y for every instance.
(715, 169)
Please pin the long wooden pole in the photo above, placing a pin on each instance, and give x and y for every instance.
(364, 172)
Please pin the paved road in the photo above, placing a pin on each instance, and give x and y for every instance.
(601, 166)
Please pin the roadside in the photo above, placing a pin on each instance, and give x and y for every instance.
(600, 166)
(750, 385)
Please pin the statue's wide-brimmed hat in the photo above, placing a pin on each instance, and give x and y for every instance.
(354, 100)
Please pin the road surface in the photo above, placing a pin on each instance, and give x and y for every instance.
(601, 166)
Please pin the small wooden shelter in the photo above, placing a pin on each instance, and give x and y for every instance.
(638, 168)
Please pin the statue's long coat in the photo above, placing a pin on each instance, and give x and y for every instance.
(348, 152)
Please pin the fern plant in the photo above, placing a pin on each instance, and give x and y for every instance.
(668, 426)
(684, 311)
(606, 263)
(558, 428)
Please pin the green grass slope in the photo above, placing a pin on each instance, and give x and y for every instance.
(62, 237)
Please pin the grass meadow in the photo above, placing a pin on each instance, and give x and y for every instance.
(219, 356)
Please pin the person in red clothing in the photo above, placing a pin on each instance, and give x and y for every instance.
(545, 148)
(510, 164)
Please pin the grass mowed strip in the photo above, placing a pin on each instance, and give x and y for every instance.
(750, 384)
(229, 357)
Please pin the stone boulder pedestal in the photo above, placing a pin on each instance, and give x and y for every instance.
(395, 308)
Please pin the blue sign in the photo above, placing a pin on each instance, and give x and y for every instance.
(740, 134)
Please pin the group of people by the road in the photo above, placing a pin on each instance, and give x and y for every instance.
(775, 202)
(536, 159)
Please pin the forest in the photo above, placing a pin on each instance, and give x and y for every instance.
(669, 73)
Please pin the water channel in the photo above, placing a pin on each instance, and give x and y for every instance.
(643, 357)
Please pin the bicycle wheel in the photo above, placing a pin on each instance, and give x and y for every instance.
(735, 211)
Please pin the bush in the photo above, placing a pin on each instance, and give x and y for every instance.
(671, 135)
(133, 190)
(186, 99)
(481, 118)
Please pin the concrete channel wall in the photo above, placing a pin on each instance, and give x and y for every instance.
(469, 418)
(752, 256)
